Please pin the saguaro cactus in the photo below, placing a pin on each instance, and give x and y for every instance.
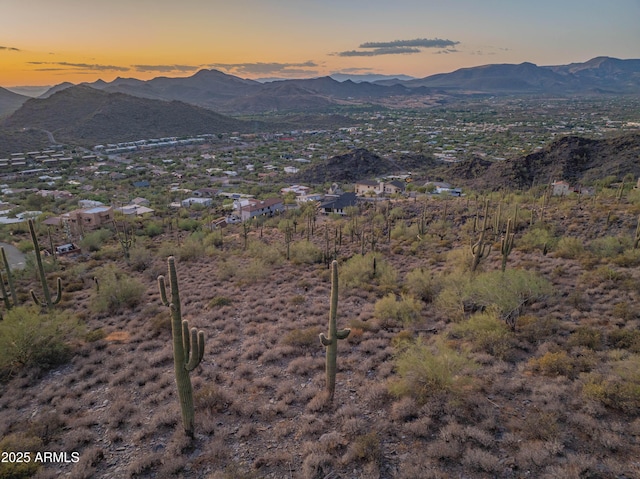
(48, 302)
(331, 342)
(481, 249)
(506, 244)
(12, 287)
(188, 347)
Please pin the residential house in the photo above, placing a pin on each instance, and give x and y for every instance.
(393, 187)
(339, 204)
(197, 201)
(89, 218)
(137, 210)
(267, 207)
(371, 188)
(367, 188)
(560, 188)
(205, 192)
(140, 201)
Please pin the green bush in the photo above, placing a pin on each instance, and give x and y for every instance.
(569, 248)
(537, 238)
(305, 252)
(152, 229)
(359, 272)
(487, 333)
(30, 338)
(505, 293)
(191, 249)
(620, 389)
(116, 291)
(20, 442)
(609, 246)
(140, 257)
(424, 370)
(390, 311)
(94, 240)
(421, 283)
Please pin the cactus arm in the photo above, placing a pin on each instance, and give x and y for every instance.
(12, 286)
(3, 290)
(163, 290)
(506, 244)
(48, 302)
(324, 340)
(343, 333)
(197, 348)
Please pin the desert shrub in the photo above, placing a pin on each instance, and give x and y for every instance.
(94, 240)
(219, 301)
(586, 336)
(19, 442)
(116, 291)
(535, 329)
(25, 246)
(252, 272)
(305, 252)
(192, 248)
(506, 293)
(269, 254)
(627, 259)
(604, 276)
(609, 246)
(625, 339)
(140, 257)
(359, 272)
(422, 284)
(95, 335)
(620, 389)
(539, 237)
(367, 448)
(487, 333)
(569, 248)
(188, 224)
(29, 337)
(304, 338)
(557, 363)
(152, 229)
(390, 311)
(427, 369)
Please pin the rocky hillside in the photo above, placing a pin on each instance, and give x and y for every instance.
(574, 159)
(360, 164)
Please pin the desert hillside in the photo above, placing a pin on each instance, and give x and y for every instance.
(447, 372)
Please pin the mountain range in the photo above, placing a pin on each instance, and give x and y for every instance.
(232, 95)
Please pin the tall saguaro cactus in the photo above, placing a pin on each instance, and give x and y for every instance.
(331, 342)
(48, 302)
(9, 276)
(481, 249)
(506, 244)
(188, 347)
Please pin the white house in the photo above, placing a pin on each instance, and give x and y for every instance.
(197, 201)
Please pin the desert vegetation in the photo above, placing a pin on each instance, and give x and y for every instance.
(516, 357)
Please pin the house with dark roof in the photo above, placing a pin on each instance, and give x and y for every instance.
(337, 205)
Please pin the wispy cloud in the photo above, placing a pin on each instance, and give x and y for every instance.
(379, 51)
(10, 49)
(260, 68)
(417, 42)
(399, 47)
(165, 68)
(80, 67)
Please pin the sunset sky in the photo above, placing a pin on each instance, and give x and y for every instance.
(44, 42)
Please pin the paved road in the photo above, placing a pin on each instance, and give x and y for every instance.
(14, 256)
